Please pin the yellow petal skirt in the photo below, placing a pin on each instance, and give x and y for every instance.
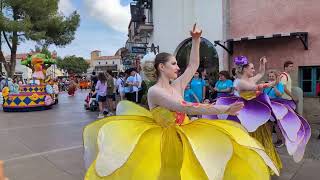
(264, 136)
(141, 145)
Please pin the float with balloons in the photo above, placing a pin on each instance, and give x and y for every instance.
(38, 93)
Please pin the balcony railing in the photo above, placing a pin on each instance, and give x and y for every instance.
(146, 27)
(141, 24)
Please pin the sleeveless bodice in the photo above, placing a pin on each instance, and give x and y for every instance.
(249, 95)
(167, 118)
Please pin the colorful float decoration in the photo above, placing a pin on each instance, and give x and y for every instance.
(38, 94)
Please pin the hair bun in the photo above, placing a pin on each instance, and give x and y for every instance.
(149, 70)
(240, 60)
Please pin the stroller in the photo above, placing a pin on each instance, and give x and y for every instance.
(91, 103)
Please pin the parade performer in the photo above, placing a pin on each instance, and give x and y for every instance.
(55, 91)
(258, 110)
(162, 144)
(72, 87)
(37, 63)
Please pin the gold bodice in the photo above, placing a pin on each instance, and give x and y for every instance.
(166, 118)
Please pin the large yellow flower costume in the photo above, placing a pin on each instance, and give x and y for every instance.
(162, 145)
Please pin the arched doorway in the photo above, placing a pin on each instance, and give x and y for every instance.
(209, 58)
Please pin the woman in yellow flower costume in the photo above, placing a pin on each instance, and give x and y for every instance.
(162, 144)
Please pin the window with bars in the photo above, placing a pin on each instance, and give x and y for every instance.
(309, 80)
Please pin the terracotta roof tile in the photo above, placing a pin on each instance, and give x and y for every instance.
(19, 56)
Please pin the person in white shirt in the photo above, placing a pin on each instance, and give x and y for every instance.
(120, 85)
(137, 89)
(235, 85)
(134, 82)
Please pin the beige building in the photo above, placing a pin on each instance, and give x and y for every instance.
(100, 63)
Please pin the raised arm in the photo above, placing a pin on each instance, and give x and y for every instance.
(160, 98)
(181, 82)
(262, 70)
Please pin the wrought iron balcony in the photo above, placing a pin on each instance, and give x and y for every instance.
(145, 28)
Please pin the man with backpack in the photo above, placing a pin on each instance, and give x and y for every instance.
(285, 79)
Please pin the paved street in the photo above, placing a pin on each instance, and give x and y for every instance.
(47, 145)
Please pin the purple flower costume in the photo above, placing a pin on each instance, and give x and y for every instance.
(258, 110)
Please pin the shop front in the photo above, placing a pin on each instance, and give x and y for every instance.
(281, 31)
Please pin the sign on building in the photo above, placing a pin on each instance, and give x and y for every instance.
(139, 50)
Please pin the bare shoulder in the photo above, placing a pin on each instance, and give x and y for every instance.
(153, 93)
(152, 90)
(241, 81)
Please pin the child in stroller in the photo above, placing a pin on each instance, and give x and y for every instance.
(91, 102)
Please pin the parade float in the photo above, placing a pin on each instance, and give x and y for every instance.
(38, 93)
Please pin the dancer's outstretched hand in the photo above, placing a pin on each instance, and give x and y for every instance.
(235, 108)
(195, 33)
(263, 60)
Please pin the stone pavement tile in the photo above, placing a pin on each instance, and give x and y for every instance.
(49, 118)
(11, 147)
(35, 168)
(289, 168)
(4, 121)
(282, 151)
(43, 139)
(309, 170)
(70, 161)
(312, 149)
(72, 111)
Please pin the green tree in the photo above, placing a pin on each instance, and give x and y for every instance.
(73, 64)
(35, 20)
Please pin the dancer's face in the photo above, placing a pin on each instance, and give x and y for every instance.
(249, 71)
(170, 69)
